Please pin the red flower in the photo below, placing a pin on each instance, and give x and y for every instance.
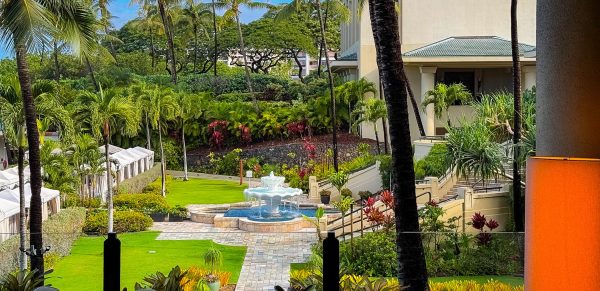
(478, 220)
(432, 203)
(492, 224)
(387, 198)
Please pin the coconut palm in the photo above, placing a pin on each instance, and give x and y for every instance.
(104, 113)
(84, 156)
(189, 108)
(199, 17)
(58, 173)
(232, 13)
(372, 111)
(409, 245)
(138, 95)
(148, 22)
(299, 5)
(163, 108)
(354, 91)
(13, 117)
(24, 24)
(517, 200)
(443, 96)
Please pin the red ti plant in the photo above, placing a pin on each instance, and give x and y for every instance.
(218, 131)
(297, 128)
(245, 134)
(375, 215)
(310, 149)
(480, 222)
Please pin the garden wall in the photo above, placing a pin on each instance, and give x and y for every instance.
(368, 179)
(139, 182)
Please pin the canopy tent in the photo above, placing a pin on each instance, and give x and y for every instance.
(7, 179)
(8, 208)
(149, 160)
(15, 171)
(112, 149)
(9, 219)
(13, 194)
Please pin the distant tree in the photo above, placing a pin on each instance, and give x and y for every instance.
(443, 96)
(372, 111)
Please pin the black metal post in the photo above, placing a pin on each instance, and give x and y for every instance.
(112, 263)
(331, 262)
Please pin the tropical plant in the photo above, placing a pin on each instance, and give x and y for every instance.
(409, 247)
(232, 14)
(442, 96)
(148, 21)
(21, 281)
(372, 111)
(299, 5)
(174, 281)
(213, 258)
(316, 221)
(163, 108)
(189, 109)
(105, 113)
(354, 91)
(199, 16)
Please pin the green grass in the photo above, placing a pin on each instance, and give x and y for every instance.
(510, 280)
(204, 191)
(82, 269)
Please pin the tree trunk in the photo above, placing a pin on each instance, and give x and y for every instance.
(386, 143)
(22, 211)
(56, 64)
(216, 54)
(331, 89)
(35, 180)
(319, 60)
(148, 136)
(152, 50)
(185, 165)
(411, 260)
(299, 67)
(170, 43)
(414, 104)
(163, 181)
(195, 48)
(111, 46)
(377, 138)
(92, 75)
(518, 207)
(109, 198)
(246, 69)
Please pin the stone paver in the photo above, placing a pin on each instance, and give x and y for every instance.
(268, 258)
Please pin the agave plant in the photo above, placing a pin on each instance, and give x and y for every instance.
(21, 281)
(174, 281)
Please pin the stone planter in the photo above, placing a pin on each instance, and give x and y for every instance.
(176, 218)
(325, 199)
(159, 217)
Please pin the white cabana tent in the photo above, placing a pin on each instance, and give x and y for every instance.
(15, 171)
(149, 159)
(9, 219)
(7, 179)
(50, 199)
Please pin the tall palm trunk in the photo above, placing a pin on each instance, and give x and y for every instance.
(377, 138)
(22, 211)
(411, 260)
(109, 196)
(386, 143)
(246, 69)
(517, 202)
(170, 43)
(163, 181)
(195, 48)
(148, 137)
(321, 45)
(92, 75)
(331, 90)
(35, 180)
(185, 165)
(56, 64)
(414, 104)
(216, 54)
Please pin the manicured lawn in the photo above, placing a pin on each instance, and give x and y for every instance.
(204, 191)
(510, 280)
(82, 269)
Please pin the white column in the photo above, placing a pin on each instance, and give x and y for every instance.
(529, 77)
(428, 83)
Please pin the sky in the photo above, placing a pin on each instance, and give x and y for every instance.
(124, 12)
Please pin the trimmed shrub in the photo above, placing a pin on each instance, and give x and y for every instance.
(459, 285)
(139, 182)
(124, 221)
(60, 231)
(374, 255)
(435, 164)
(156, 185)
(146, 203)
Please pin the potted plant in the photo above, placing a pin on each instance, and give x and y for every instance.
(325, 196)
(177, 214)
(158, 214)
(346, 193)
(213, 258)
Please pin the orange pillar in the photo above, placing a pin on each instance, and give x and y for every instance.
(562, 238)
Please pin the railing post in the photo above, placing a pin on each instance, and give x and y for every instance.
(331, 263)
(112, 263)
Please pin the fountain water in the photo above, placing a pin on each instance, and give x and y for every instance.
(272, 193)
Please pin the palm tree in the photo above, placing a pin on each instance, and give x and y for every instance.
(163, 108)
(354, 91)
(189, 108)
(372, 111)
(517, 202)
(297, 6)
(103, 113)
(148, 22)
(411, 259)
(13, 117)
(105, 17)
(232, 13)
(198, 16)
(138, 95)
(443, 96)
(216, 52)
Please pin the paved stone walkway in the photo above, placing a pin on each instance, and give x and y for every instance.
(268, 258)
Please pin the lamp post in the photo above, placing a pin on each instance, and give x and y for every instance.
(112, 248)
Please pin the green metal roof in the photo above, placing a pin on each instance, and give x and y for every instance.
(350, 57)
(469, 46)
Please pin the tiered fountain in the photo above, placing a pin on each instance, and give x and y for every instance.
(272, 192)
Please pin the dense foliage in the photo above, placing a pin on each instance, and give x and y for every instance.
(125, 221)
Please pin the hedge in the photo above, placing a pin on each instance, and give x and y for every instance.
(124, 221)
(60, 231)
(150, 202)
(139, 182)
